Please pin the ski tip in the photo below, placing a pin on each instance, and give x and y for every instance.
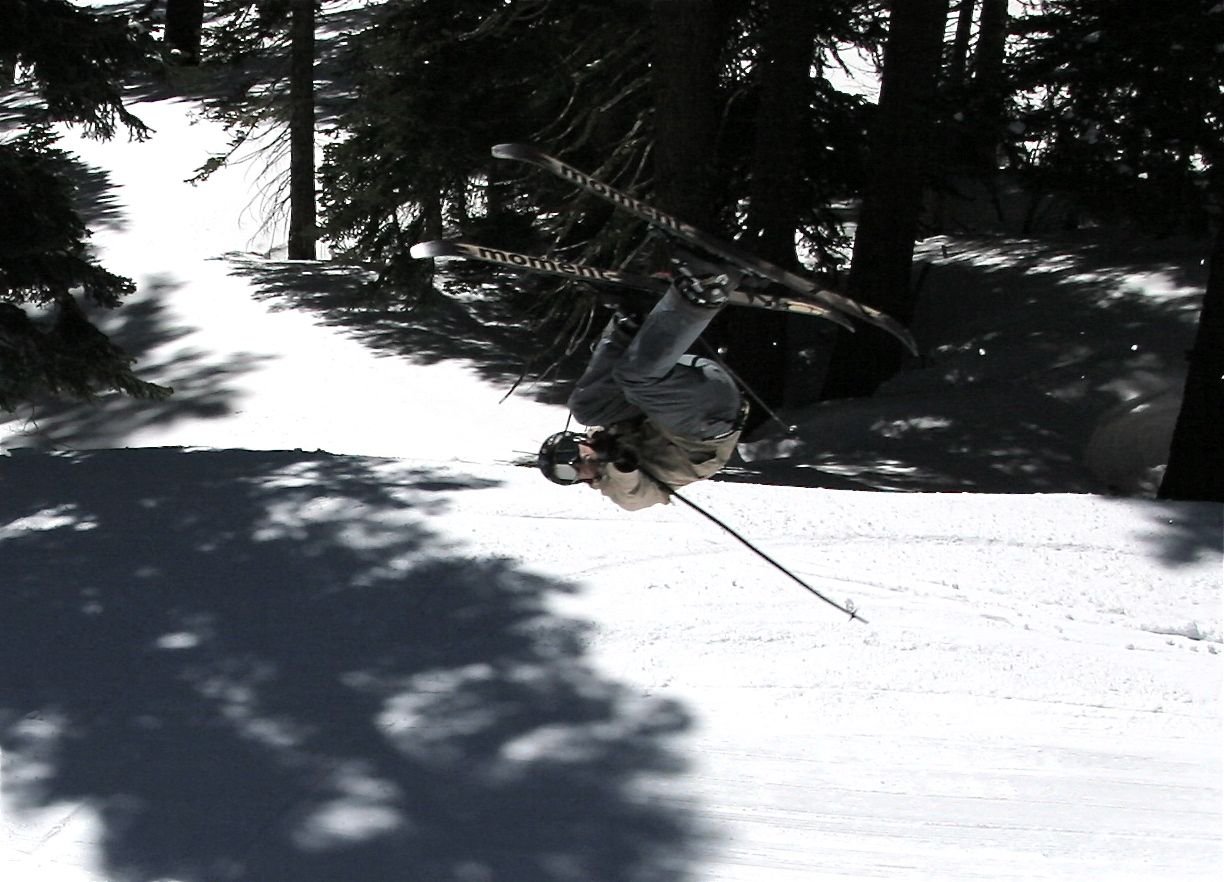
(898, 330)
(432, 248)
(908, 341)
(514, 151)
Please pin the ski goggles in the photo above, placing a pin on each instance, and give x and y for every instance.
(565, 472)
(560, 457)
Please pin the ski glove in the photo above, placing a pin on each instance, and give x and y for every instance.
(609, 449)
(626, 460)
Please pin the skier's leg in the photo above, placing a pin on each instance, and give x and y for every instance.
(598, 400)
(689, 396)
(666, 334)
(627, 377)
(695, 399)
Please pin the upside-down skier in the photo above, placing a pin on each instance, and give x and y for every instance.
(657, 418)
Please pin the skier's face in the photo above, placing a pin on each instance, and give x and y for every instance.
(588, 463)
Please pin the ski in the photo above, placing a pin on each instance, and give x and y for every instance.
(694, 237)
(532, 264)
(447, 248)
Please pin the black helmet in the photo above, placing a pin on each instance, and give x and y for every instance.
(559, 456)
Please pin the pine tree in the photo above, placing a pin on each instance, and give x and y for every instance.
(303, 232)
(435, 83)
(899, 157)
(1117, 104)
(679, 107)
(74, 62)
(269, 50)
(1124, 114)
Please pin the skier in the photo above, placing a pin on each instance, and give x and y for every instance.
(663, 418)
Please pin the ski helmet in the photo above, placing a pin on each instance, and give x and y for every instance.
(559, 456)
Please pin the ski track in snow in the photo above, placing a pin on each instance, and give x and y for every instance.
(1027, 702)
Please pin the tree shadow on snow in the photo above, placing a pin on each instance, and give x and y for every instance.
(144, 329)
(96, 198)
(266, 667)
(203, 382)
(1038, 360)
(486, 331)
(1184, 533)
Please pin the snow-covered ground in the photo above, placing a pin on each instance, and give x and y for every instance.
(303, 622)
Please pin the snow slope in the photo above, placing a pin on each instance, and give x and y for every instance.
(229, 657)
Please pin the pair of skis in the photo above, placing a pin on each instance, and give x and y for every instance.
(802, 295)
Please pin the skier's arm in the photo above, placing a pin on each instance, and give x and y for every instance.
(631, 490)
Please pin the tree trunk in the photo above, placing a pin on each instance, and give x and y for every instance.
(959, 62)
(688, 38)
(760, 345)
(989, 91)
(888, 221)
(776, 196)
(184, 26)
(1196, 456)
(303, 232)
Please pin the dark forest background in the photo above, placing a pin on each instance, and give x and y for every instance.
(728, 113)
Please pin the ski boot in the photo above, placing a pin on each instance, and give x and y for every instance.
(628, 312)
(702, 283)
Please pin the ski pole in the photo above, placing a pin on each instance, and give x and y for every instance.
(848, 609)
